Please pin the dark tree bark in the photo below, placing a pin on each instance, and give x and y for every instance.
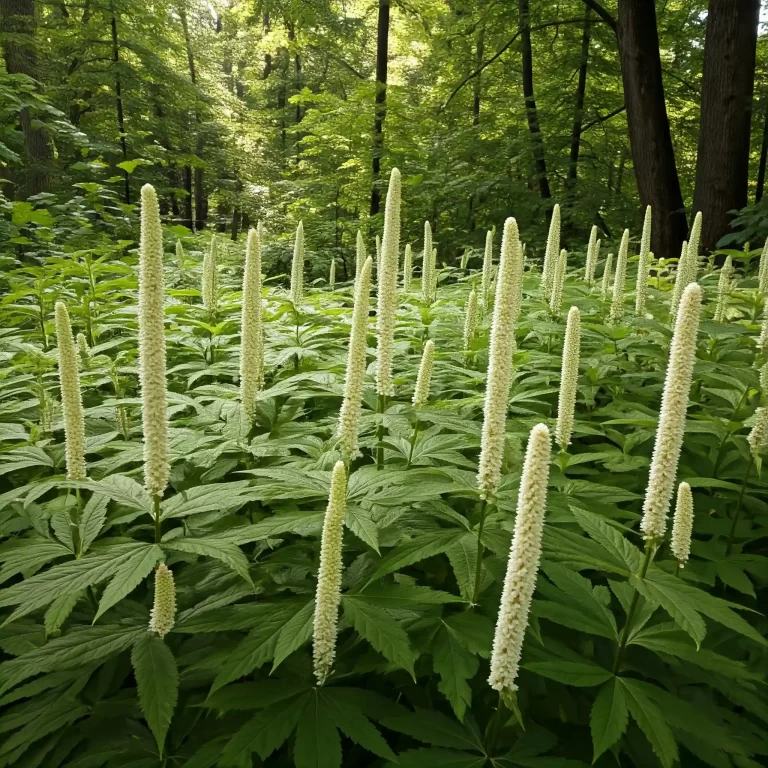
(722, 161)
(119, 100)
(476, 90)
(763, 157)
(382, 52)
(17, 22)
(268, 67)
(653, 156)
(189, 221)
(236, 221)
(537, 140)
(201, 199)
(578, 112)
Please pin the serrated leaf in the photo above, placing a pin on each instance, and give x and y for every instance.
(92, 520)
(576, 673)
(204, 498)
(157, 679)
(359, 521)
(432, 727)
(417, 549)
(131, 573)
(651, 721)
(59, 610)
(609, 538)
(318, 744)
(229, 554)
(355, 725)
(456, 666)
(294, 634)
(462, 555)
(609, 717)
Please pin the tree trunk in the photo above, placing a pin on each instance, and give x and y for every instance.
(189, 221)
(763, 157)
(17, 22)
(382, 51)
(578, 112)
(653, 156)
(201, 201)
(537, 141)
(235, 226)
(722, 161)
(119, 100)
(476, 91)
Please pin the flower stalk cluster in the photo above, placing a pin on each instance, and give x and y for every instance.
(523, 563)
(427, 264)
(387, 294)
(674, 404)
(558, 283)
(607, 275)
(251, 329)
(643, 265)
(502, 345)
(569, 379)
(332, 274)
(162, 617)
(328, 593)
(378, 257)
(682, 525)
(180, 259)
(297, 266)
(152, 360)
(470, 319)
(71, 396)
(424, 378)
(83, 349)
(359, 254)
(592, 252)
(723, 290)
(552, 253)
(619, 279)
(354, 385)
(210, 289)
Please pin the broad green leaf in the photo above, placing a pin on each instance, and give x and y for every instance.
(610, 539)
(92, 520)
(419, 548)
(294, 634)
(359, 521)
(580, 674)
(432, 727)
(318, 744)
(456, 666)
(132, 572)
(462, 555)
(651, 721)
(609, 717)
(229, 554)
(353, 724)
(205, 498)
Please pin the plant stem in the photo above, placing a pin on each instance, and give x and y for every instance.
(737, 514)
(158, 523)
(380, 433)
(479, 565)
(649, 549)
(414, 435)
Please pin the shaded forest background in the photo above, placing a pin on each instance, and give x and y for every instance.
(239, 110)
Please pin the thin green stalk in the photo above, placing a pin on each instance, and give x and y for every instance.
(737, 514)
(158, 523)
(720, 450)
(412, 443)
(649, 550)
(479, 565)
(494, 726)
(382, 405)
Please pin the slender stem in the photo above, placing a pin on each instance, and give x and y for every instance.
(495, 725)
(479, 565)
(677, 569)
(737, 514)
(382, 406)
(720, 455)
(414, 435)
(158, 523)
(649, 549)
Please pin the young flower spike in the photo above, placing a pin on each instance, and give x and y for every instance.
(332, 274)
(591, 263)
(359, 254)
(210, 277)
(297, 266)
(180, 258)
(762, 343)
(758, 437)
(152, 361)
(607, 275)
(162, 617)
(83, 349)
(386, 311)
(693, 250)
(349, 416)
(502, 344)
(558, 283)
(569, 378)
(328, 593)
(682, 524)
(619, 279)
(421, 392)
(427, 264)
(71, 397)
(523, 564)
(552, 253)
(378, 256)
(723, 290)
(762, 272)
(643, 265)
(251, 331)
(485, 285)
(407, 268)
(680, 279)
(674, 404)
(470, 319)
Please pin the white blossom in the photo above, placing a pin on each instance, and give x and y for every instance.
(407, 268)
(210, 289)
(607, 275)
(558, 283)
(359, 254)
(591, 263)
(643, 265)
(427, 264)
(723, 290)
(297, 266)
(619, 280)
(424, 377)
(485, 285)
(762, 272)
(569, 379)
(758, 437)
(470, 318)
(332, 274)
(162, 617)
(682, 524)
(251, 330)
(552, 252)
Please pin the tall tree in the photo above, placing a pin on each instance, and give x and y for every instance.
(18, 25)
(119, 99)
(539, 158)
(722, 162)
(578, 111)
(382, 53)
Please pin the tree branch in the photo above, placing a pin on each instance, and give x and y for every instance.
(603, 14)
(599, 120)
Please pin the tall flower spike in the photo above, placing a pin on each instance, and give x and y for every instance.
(764, 382)
(152, 363)
(328, 593)
(332, 274)
(693, 250)
(758, 437)
(180, 258)
(763, 340)
(210, 277)
(407, 268)
(589, 269)
(297, 266)
(682, 524)
(569, 379)
(723, 290)
(619, 279)
(378, 257)
(762, 272)
(424, 378)
(427, 262)
(674, 404)
(523, 564)
(162, 617)
(354, 385)
(386, 311)
(607, 275)
(83, 349)
(433, 290)
(552, 252)
(643, 265)
(502, 344)
(485, 285)
(680, 279)
(470, 319)
(71, 397)
(558, 283)
(359, 254)
(251, 330)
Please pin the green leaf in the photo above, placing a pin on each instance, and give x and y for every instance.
(462, 555)
(124, 490)
(381, 631)
(609, 717)
(132, 572)
(92, 520)
(440, 758)
(229, 554)
(419, 548)
(610, 539)
(359, 521)
(294, 634)
(354, 724)
(456, 666)
(409, 596)
(475, 632)
(318, 744)
(577, 673)
(432, 727)
(158, 682)
(651, 721)
(205, 498)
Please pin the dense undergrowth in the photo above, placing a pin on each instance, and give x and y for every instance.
(84, 683)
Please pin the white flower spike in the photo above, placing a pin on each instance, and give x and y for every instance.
(251, 329)
(424, 378)
(569, 379)
(682, 524)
